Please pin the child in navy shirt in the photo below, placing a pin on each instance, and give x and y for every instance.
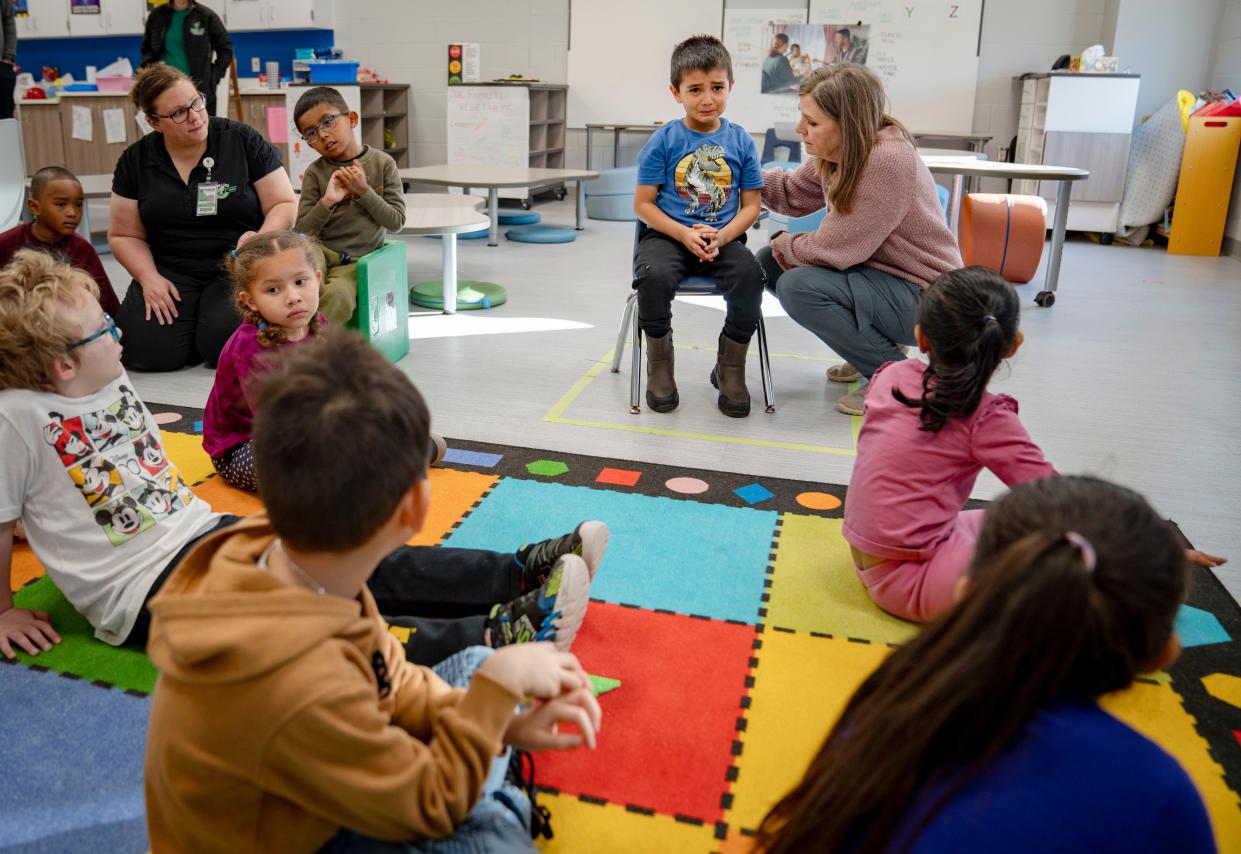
(699, 187)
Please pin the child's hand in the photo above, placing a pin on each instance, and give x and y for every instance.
(538, 728)
(536, 670)
(334, 191)
(353, 177)
(27, 629)
(698, 241)
(1203, 559)
(712, 236)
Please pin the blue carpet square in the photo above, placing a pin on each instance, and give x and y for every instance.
(754, 493)
(664, 553)
(472, 458)
(1199, 628)
(72, 779)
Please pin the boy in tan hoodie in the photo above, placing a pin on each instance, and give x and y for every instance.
(286, 717)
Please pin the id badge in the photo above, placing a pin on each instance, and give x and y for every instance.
(208, 198)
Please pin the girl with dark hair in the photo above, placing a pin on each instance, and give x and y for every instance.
(929, 430)
(983, 733)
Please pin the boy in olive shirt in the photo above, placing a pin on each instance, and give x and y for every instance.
(351, 197)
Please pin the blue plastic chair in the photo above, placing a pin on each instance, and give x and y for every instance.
(773, 142)
(698, 285)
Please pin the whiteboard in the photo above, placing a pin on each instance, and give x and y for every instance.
(488, 125)
(925, 53)
(619, 57)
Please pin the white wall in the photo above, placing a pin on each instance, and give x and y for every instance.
(1226, 73)
(1020, 36)
(1164, 42)
(406, 41)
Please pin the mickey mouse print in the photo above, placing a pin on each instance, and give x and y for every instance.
(116, 462)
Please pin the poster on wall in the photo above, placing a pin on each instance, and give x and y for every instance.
(463, 64)
(21, 8)
(748, 35)
(152, 5)
(84, 7)
(795, 50)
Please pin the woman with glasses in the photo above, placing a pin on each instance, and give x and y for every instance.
(183, 197)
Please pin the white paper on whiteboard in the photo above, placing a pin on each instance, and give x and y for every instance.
(83, 124)
(747, 40)
(488, 125)
(114, 125)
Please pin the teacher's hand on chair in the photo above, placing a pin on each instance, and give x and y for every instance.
(161, 298)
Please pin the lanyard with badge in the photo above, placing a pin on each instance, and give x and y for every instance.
(208, 192)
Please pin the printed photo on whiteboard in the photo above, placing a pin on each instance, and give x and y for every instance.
(794, 50)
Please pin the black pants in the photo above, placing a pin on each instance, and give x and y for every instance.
(8, 79)
(442, 595)
(661, 264)
(206, 317)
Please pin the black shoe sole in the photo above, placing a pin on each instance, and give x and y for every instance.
(663, 404)
(727, 405)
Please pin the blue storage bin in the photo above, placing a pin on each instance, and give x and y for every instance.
(333, 72)
(610, 196)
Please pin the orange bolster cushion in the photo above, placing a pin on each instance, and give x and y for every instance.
(1003, 233)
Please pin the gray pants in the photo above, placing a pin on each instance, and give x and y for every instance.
(861, 313)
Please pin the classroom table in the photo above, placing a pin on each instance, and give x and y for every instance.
(959, 167)
(617, 130)
(445, 214)
(493, 177)
(976, 142)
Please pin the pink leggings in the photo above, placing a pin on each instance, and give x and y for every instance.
(920, 590)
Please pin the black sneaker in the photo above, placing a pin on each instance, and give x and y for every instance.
(552, 612)
(519, 776)
(588, 541)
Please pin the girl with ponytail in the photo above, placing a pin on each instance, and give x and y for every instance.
(983, 732)
(928, 432)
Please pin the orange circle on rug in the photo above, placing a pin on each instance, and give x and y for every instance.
(687, 485)
(818, 501)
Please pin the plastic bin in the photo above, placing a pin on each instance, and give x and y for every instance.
(333, 72)
(114, 84)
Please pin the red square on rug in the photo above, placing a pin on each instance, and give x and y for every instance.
(668, 731)
(618, 477)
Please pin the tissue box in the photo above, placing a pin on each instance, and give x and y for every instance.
(1098, 65)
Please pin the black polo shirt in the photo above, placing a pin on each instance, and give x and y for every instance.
(183, 244)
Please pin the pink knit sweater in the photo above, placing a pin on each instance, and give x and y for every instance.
(895, 223)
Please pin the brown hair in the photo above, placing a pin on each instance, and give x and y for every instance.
(340, 435)
(35, 290)
(699, 53)
(852, 95)
(1037, 624)
(152, 81)
(240, 265)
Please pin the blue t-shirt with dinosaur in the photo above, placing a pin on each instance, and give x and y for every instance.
(700, 175)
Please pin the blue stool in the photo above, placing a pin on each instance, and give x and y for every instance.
(541, 234)
(704, 285)
(518, 218)
(610, 196)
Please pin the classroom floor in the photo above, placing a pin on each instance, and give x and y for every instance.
(1134, 374)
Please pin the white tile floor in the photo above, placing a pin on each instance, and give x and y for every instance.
(1134, 375)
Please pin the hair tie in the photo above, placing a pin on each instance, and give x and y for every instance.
(234, 252)
(990, 317)
(262, 325)
(1090, 558)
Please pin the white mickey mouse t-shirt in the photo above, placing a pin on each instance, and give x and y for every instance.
(103, 508)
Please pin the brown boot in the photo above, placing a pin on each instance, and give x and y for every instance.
(661, 385)
(729, 377)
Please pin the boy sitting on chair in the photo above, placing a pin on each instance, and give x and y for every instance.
(351, 197)
(699, 185)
